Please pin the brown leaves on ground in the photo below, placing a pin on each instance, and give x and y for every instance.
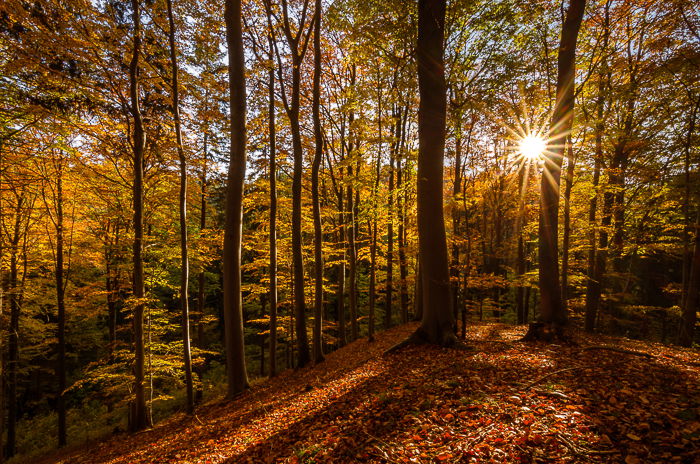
(500, 401)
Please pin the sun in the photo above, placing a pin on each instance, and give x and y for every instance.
(531, 147)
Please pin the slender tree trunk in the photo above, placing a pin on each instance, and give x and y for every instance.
(139, 416)
(437, 324)
(523, 174)
(403, 267)
(596, 257)
(13, 338)
(456, 192)
(184, 257)
(273, 206)
(111, 287)
(201, 295)
(352, 277)
(233, 304)
(340, 299)
(552, 312)
(315, 168)
(568, 184)
(388, 306)
(61, 306)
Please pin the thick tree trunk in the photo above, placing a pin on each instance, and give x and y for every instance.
(316, 206)
(687, 329)
(552, 312)
(139, 417)
(184, 257)
(236, 373)
(437, 324)
(687, 147)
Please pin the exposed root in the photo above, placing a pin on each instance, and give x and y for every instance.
(547, 332)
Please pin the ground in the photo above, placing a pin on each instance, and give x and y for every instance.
(495, 400)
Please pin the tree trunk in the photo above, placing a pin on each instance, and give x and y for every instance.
(316, 206)
(201, 295)
(61, 306)
(139, 417)
(687, 147)
(568, 184)
(233, 304)
(340, 298)
(13, 338)
(594, 284)
(352, 277)
(523, 175)
(552, 312)
(456, 192)
(273, 200)
(403, 267)
(184, 257)
(437, 324)
(388, 306)
(687, 329)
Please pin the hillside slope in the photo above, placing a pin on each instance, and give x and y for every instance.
(499, 401)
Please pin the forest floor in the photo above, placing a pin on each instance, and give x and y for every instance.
(499, 400)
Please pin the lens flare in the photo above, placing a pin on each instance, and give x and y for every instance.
(531, 147)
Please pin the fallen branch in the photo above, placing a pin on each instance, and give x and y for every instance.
(535, 382)
(576, 449)
(555, 394)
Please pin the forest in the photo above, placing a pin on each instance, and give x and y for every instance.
(349, 231)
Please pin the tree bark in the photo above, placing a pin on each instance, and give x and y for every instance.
(139, 418)
(687, 328)
(236, 373)
(595, 274)
(273, 199)
(184, 257)
(566, 239)
(316, 206)
(61, 306)
(437, 324)
(552, 312)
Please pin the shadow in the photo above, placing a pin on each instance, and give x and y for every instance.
(503, 401)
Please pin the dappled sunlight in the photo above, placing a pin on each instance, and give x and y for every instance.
(497, 400)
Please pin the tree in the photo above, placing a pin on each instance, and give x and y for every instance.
(184, 258)
(316, 201)
(236, 373)
(437, 323)
(298, 42)
(139, 418)
(552, 311)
